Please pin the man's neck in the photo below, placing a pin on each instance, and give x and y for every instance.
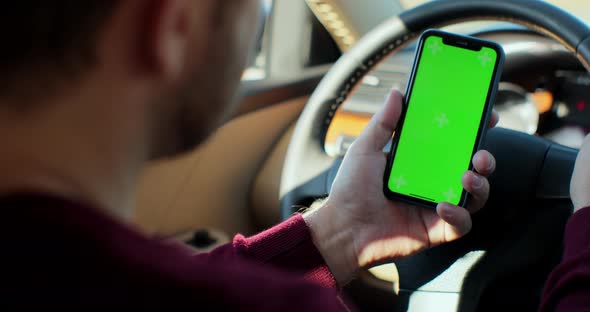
(74, 148)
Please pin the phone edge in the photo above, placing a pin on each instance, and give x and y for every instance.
(490, 99)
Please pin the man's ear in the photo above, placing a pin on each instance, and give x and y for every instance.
(169, 39)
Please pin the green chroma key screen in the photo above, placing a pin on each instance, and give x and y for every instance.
(440, 129)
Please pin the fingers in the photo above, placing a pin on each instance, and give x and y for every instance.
(484, 163)
(458, 221)
(479, 188)
(494, 119)
(476, 183)
(379, 131)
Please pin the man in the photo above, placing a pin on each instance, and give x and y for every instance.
(93, 89)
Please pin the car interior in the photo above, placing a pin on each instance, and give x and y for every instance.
(322, 69)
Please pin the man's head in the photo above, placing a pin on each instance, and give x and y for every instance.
(174, 64)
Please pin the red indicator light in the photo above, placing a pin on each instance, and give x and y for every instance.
(581, 105)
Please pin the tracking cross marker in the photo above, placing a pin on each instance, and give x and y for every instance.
(442, 120)
(399, 182)
(485, 58)
(449, 195)
(435, 47)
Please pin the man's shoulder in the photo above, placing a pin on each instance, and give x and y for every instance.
(68, 244)
(65, 252)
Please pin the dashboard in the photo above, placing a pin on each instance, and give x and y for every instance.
(574, 98)
(544, 91)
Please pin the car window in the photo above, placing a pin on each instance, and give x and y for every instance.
(293, 44)
(256, 70)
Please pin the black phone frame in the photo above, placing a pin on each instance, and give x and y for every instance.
(461, 41)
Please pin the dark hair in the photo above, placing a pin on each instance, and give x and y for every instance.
(40, 36)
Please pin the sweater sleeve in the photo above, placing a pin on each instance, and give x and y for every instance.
(568, 286)
(287, 246)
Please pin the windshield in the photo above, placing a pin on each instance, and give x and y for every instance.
(579, 8)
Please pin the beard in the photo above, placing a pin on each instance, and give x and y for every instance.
(188, 116)
(189, 113)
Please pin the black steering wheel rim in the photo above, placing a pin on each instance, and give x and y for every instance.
(540, 169)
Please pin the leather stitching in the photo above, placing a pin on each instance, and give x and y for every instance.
(352, 81)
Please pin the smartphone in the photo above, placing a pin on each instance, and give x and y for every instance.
(445, 116)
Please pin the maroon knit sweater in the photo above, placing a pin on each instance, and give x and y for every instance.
(568, 286)
(63, 254)
(68, 255)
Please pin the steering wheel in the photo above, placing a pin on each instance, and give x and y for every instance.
(521, 227)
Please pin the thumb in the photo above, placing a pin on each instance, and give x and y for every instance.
(580, 183)
(380, 129)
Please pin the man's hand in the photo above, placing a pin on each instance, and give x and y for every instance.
(580, 184)
(356, 226)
